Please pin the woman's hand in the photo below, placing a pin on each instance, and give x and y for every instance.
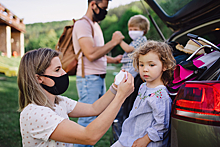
(126, 86)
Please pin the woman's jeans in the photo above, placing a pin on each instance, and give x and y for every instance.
(90, 89)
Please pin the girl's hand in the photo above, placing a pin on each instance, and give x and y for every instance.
(142, 142)
(126, 86)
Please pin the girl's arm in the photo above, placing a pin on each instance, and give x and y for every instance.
(161, 107)
(71, 132)
(142, 142)
(127, 48)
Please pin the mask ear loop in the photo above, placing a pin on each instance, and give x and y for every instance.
(98, 6)
(50, 77)
(100, 9)
(46, 76)
(39, 80)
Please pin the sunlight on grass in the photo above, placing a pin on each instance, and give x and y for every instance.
(12, 62)
(9, 66)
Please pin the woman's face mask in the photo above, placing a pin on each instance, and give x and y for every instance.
(135, 34)
(100, 16)
(60, 84)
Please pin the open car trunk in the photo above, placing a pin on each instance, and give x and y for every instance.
(200, 17)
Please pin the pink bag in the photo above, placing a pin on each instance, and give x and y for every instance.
(192, 69)
(181, 73)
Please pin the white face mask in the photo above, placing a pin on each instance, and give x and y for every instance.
(135, 34)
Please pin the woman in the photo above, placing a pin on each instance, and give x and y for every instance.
(44, 118)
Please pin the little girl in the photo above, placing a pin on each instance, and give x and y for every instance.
(148, 123)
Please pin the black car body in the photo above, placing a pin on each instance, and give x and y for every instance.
(200, 17)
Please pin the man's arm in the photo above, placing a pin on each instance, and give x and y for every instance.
(93, 52)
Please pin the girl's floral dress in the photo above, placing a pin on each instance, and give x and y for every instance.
(150, 115)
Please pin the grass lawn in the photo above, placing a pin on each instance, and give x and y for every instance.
(9, 117)
(13, 62)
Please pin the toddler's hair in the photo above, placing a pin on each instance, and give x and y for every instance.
(164, 52)
(139, 21)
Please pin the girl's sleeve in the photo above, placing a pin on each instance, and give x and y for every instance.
(161, 117)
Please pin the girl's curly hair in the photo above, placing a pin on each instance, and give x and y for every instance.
(164, 52)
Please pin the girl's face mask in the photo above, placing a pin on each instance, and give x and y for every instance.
(135, 34)
(100, 16)
(60, 84)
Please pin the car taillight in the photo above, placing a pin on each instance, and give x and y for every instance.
(198, 101)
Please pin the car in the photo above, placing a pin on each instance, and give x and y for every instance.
(195, 115)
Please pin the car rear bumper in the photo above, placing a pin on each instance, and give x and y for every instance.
(191, 134)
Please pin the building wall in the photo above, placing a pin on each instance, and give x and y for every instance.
(12, 31)
(11, 43)
(3, 38)
(5, 41)
(17, 43)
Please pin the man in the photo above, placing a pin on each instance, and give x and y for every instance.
(87, 36)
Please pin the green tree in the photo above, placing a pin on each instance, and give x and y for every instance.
(39, 35)
(32, 44)
(47, 34)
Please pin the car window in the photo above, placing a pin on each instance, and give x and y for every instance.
(172, 6)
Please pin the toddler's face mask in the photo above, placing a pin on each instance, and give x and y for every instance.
(135, 34)
(60, 84)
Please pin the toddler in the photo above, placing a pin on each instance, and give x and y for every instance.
(138, 26)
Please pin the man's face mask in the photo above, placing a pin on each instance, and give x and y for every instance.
(60, 84)
(100, 16)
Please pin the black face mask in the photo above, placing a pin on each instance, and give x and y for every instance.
(100, 16)
(60, 86)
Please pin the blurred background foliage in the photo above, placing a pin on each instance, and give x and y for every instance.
(41, 35)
